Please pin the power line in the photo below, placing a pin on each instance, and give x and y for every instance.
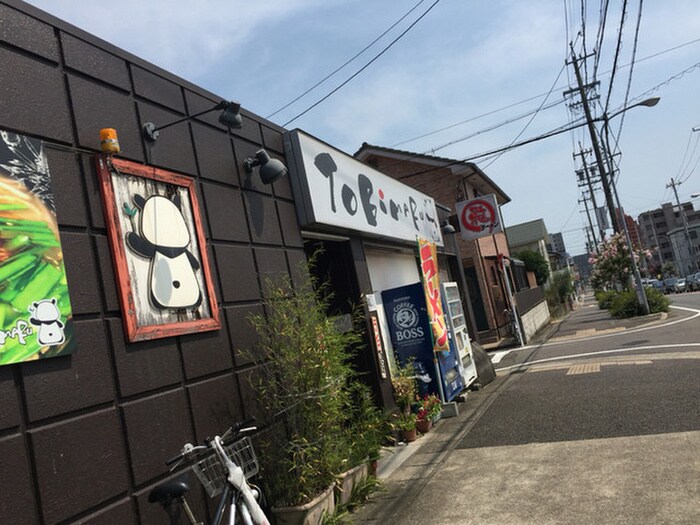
(347, 61)
(601, 35)
(583, 37)
(531, 119)
(471, 119)
(690, 173)
(685, 154)
(569, 219)
(491, 128)
(495, 126)
(629, 79)
(557, 131)
(529, 99)
(363, 67)
(470, 158)
(677, 76)
(623, 15)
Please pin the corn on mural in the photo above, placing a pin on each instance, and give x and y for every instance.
(35, 309)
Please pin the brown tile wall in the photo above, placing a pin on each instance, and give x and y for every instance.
(83, 438)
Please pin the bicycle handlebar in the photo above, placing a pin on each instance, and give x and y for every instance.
(175, 459)
(247, 425)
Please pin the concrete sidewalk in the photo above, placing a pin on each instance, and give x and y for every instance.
(413, 470)
(589, 320)
(585, 320)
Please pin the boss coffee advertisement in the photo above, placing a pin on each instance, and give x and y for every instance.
(408, 321)
(409, 324)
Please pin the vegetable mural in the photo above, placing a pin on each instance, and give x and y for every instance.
(35, 309)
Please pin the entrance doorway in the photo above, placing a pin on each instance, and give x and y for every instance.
(477, 301)
(334, 267)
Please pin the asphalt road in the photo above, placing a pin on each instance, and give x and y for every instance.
(590, 332)
(600, 427)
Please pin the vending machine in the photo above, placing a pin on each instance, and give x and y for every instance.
(411, 337)
(459, 334)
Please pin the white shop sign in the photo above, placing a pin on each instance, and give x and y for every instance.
(334, 189)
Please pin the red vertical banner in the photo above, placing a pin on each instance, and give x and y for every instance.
(431, 285)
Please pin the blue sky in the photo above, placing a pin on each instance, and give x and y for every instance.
(461, 61)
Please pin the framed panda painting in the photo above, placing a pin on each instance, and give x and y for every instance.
(160, 254)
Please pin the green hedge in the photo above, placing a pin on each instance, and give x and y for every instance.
(624, 304)
(605, 298)
(658, 302)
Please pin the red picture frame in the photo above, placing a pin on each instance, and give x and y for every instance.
(122, 183)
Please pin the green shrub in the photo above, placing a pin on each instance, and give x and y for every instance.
(302, 384)
(561, 287)
(605, 298)
(535, 262)
(366, 427)
(624, 304)
(658, 302)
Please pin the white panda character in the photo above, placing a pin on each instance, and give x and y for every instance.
(47, 317)
(163, 239)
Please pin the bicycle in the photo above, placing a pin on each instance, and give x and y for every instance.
(223, 465)
(514, 326)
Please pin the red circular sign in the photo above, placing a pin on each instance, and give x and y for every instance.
(478, 215)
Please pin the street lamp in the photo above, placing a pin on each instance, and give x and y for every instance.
(649, 103)
(641, 294)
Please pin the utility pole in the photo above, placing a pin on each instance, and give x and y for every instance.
(590, 223)
(589, 243)
(673, 185)
(587, 172)
(596, 144)
(656, 240)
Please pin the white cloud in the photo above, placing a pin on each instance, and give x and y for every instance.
(181, 36)
(462, 60)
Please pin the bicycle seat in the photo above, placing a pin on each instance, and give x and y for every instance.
(168, 491)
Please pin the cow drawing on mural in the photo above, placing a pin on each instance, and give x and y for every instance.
(164, 239)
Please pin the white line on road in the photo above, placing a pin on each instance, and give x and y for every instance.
(498, 356)
(589, 354)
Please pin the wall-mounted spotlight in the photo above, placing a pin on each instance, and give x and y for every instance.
(270, 169)
(230, 117)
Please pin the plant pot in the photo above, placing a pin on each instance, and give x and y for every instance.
(409, 435)
(346, 481)
(310, 513)
(424, 425)
(373, 467)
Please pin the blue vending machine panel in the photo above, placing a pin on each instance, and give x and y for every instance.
(409, 327)
(452, 381)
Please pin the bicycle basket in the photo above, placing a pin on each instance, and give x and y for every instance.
(212, 474)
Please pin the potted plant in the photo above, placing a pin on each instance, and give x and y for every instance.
(301, 383)
(423, 421)
(407, 425)
(365, 433)
(403, 384)
(433, 407)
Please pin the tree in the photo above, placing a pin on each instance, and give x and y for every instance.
(535, 262)
(613, 265)
(669, 270)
